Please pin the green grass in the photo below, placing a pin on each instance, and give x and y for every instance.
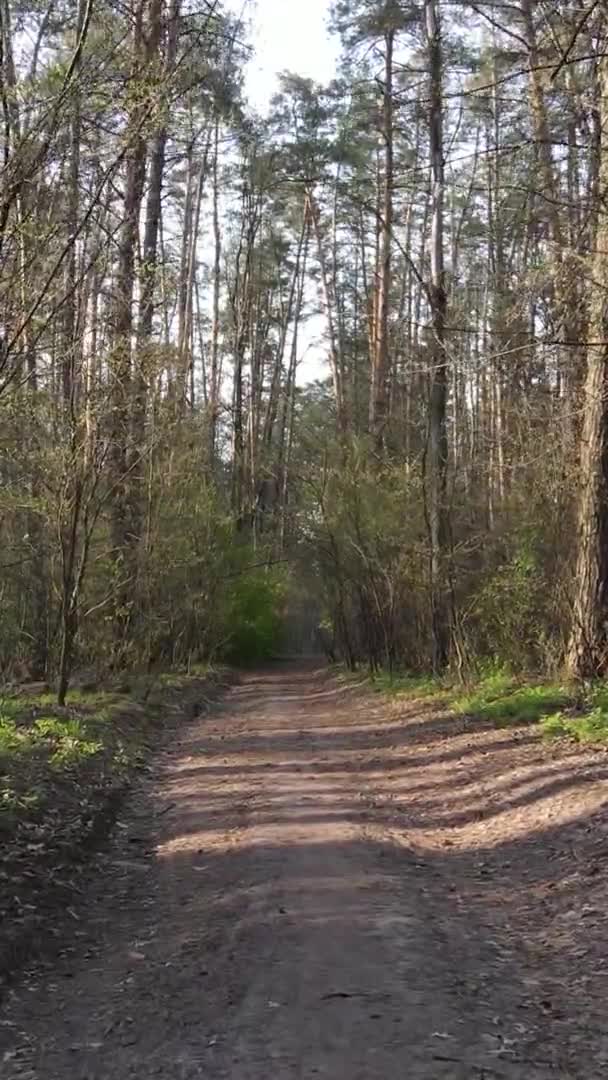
(63, 772)
(586, 723)
(405, 685)
(503, 701)
(52, 757)
(560, 708)
(57, 764)
(393, 684)
(59, 738)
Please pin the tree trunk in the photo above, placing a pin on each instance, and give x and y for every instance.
(588, 649)
(153, 214)
(214, 378)
(336, 360)
(437, 454)
(381, 357)
(123, 527)
(70, 346)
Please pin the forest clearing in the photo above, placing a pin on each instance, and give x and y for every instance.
(306, 363)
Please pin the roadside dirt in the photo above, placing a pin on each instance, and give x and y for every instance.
(314, 883)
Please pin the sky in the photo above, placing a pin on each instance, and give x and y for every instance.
(288, 35)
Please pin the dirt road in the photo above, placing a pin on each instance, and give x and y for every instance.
(313, 884)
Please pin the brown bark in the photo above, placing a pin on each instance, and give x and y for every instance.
(588, 648)
(155, 186)
(287, 426)
(182, 293)
(566, 306)
(124, 527)
(241, 304)
(288, 313)
(70, 347)
(381, 357)
(329, 304)
(214, 380)
(437, 453)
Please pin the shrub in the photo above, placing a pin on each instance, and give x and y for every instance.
(255, 617)
(511, 613)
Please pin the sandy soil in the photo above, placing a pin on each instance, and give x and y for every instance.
(314, 883)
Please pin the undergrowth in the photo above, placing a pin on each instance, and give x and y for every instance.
(503, 700)
(63, 771)
(57, 764)
(398, 685)
(562, 709)
(586, 721)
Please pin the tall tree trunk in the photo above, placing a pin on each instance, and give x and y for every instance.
(149, 270)
(588, 649)
(70, 347)
(437, 454)
(187, 347)
(329, 303)
(214, 378)
(566, 308)
(241, 304)
(182, 289)
(287, 425)
(287, 314)
(124, 537)
(381, 357)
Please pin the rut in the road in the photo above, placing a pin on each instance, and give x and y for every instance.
(314, 884)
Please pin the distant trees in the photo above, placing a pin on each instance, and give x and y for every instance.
(167, 259)
(488, 315)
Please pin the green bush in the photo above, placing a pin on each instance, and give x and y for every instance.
(509, 615)
(255, 617)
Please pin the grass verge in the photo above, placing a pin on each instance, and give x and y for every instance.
(63, 774)
(562, 709)
(503, 700)
(586, 721)
(405, 685)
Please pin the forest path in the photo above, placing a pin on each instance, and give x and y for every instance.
(315, 884)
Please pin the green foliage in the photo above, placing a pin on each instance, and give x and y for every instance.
(68, 738)
(40, 749)
(498, 696)
(598, 696)
(363, 529)
(509, 613)
(591, 727)
(254, 617)
(502, 700)
(65, 759)
(62, 738)
(586, 724)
